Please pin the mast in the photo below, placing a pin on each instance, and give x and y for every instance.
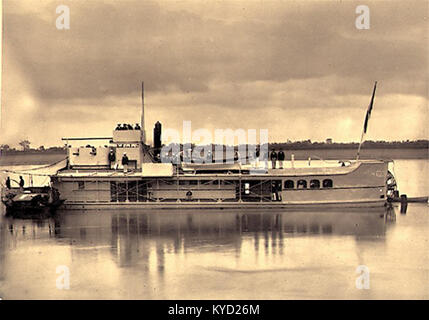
(142, 117)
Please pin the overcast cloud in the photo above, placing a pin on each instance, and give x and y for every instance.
(300, 69)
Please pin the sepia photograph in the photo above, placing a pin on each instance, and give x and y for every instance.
(214, 155)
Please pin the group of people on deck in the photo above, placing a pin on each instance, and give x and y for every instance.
(275, 157)
(124, 161)
(127, 126)
(21, 183)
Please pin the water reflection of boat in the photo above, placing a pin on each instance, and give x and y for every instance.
(222, 223)
(130, 237)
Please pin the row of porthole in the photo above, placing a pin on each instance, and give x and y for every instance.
(302, 184)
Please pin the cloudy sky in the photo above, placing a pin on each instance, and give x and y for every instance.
(301, 69)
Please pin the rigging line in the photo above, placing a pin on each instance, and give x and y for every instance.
(19, 172)
(32, 169)
(46, 166)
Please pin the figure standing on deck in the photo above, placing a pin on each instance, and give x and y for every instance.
(237, 157)
(125, 162)
(273, 158)
(256, 158)
(112, 159)
(8, 183)
(21, 183)
(281, 156)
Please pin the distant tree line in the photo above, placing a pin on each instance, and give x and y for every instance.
(296, 145)
(25, 148)
(307, 144)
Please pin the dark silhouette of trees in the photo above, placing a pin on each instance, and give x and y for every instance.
(25, 144)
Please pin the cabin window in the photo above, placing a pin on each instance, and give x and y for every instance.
(183, 182)
(193, 182)
(113, 192)
(81, 185)
(142, 187)
(128, 191)
(122, 191)
(327, 183)
(301, 184)
(132, 191)
(289, 184)
(169, 182)
(314, 184)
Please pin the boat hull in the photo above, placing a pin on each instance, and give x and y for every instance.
(362, 184)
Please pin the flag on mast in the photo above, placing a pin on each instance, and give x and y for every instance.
(365, 125)
(368, 113)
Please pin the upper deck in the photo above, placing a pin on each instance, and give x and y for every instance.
(194, 171)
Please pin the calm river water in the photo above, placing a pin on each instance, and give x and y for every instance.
(223, 254)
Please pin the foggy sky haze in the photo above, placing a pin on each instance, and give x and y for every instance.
(300, 69)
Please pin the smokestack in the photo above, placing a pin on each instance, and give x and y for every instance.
(142, 117)
(157, 135)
